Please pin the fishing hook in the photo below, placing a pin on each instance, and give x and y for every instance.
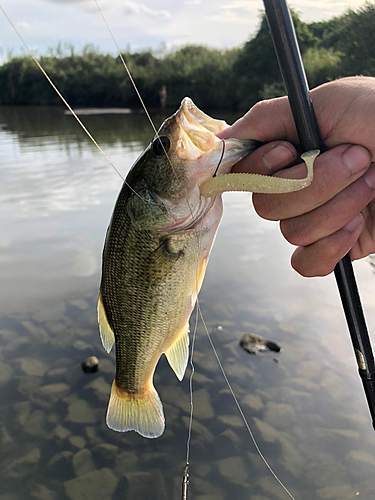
(221, 158)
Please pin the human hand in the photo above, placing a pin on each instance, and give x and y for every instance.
(336, 213)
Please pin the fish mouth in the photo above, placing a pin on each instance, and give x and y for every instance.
(200, 128)
(197, 131)
(204, 155)
(198, 142)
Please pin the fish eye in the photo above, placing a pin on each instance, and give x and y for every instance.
(161, 145)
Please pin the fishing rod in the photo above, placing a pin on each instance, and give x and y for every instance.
(293, 74)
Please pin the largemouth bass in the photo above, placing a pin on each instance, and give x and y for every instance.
(156, 252)
(154, 259)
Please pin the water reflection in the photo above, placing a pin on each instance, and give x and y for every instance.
(305, 404)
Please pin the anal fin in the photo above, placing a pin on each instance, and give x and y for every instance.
(106, 333)
(178, 353)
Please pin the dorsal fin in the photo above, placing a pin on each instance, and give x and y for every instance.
(106, 333)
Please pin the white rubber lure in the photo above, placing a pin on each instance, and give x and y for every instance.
(256, 183)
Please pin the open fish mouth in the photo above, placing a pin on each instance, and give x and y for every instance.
(198, 140)
(193, 134)
(199, 128)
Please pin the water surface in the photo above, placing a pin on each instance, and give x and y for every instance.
(305, 404)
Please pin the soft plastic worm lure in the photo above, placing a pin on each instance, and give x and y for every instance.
(256, 183)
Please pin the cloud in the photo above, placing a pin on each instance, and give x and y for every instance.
(67, 1)
(241, 4)
(139, 9)
(230, 17)
(22, 26)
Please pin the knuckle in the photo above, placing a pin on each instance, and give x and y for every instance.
(266, 207)
(294, 231)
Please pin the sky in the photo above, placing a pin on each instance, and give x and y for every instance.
(143, 24)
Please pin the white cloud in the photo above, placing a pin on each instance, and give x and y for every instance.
(242, 4)
(67, 1)
(139, 9)
(229, 17)
(22, 26)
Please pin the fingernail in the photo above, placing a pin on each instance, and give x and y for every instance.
(280, 155)
(369, 177)
(356, 158)
(354, 223)
(226, 133)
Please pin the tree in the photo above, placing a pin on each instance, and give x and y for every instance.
(256, 67)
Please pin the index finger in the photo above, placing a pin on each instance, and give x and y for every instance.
(266, 121)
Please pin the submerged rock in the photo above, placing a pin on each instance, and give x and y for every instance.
(48, 395)
(105, 451)
(32, 366)
(60, 465)
(41, 492)
(80, 412)
(255, 344)
(5, 373)
(83, 463)
(101, 387)
(60, 432)
(36, 424)
(234, 470)
(141, 483)
(202, 405)
(5, 438)
(90, 364)
(96, 485)
(23, 466)
(77, 442)
(107, 366)
(22, 412)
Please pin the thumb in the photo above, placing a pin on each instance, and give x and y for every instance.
(266, 121)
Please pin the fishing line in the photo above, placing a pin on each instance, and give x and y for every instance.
(186, 475)
(240, 409)
(66, 102)
(136, 89)
(191, 386)
(128, 72)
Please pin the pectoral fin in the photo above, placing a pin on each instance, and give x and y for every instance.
(178, 354)
(159, 263)
(106, 334)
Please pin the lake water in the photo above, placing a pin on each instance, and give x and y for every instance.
(305, 405)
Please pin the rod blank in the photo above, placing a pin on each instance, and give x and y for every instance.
(293, 73)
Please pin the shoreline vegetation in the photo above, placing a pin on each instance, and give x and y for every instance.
(232, 79)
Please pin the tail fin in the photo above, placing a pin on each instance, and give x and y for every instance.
(143, 414)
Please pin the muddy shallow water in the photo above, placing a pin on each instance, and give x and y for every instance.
(305, 404)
